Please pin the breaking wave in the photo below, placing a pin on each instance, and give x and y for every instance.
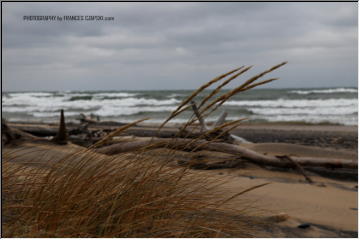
(267, 105)
(290, 103)
(330, 90)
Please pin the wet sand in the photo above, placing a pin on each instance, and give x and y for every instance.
(334, 136)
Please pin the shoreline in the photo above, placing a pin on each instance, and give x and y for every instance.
(328, 136)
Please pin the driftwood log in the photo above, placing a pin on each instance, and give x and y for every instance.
(244, 153)
(36, 130)
(11, 135)
(47, 131)
(222, 118)
(88, 119)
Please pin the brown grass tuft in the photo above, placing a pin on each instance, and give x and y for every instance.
(90, 195)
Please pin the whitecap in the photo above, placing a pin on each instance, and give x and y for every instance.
(174, 95)
(32, 94)
(123, 111)
(289, 103)
(306, 111)
(330, 90)
(45, 105)
(337, 119)
(53, 114)
(114, 94)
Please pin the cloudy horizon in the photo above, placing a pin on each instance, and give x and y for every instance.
(158, 46)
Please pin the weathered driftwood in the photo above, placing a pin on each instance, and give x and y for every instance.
(222, 118)
(47, 131)
(88, 119)
(11, 135)
(44, 130)
(255, 157)
(6, 134)
(196, 145)
(83, 140)
(238, 140)
(199, 117)
(36, 130)
(211, 166)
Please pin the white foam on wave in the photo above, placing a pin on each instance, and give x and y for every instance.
(346, 110)
(173, 95)
(53, 114)
(343, 111)
(123, 111)
(29, 99)
(330, 90)
(291, 103)
(18, 109)
(110, 111)
(138, 101)
(346, 120)
(112, 94)
(99, 94)
(34, 94)
(47, 107)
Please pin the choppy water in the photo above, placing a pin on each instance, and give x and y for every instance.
(334, 105)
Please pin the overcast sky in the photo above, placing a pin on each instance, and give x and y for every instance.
(177, 45)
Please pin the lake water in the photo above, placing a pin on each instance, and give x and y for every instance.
(333, 105)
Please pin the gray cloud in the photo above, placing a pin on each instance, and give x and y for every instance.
(177, 45)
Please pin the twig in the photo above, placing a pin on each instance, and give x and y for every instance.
(297, 166)
(201, 120)
(221, 119)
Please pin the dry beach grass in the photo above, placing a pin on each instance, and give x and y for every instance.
(83, 194)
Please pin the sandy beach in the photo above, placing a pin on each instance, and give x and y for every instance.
(296, 208)
(329, 206)
(333, 136)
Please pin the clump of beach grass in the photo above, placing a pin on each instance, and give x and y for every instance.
(90, 195)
